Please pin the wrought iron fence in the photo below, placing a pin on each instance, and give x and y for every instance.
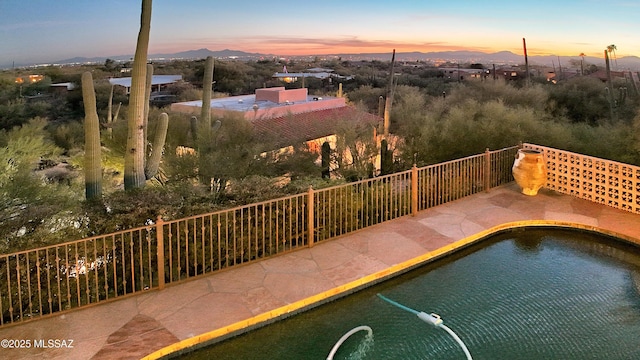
(342, 209)
(61, 277)
(452, 180)
(47, 280)
(204, 243)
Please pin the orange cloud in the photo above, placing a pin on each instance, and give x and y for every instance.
(316, 46)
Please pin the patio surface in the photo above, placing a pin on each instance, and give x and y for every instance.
(216, 304)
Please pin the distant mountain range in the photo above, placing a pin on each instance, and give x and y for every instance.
(487, 59)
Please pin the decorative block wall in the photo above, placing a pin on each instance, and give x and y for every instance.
(602, 181)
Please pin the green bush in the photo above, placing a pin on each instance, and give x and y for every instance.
(581, 99)
(33, 212)
(68, 136)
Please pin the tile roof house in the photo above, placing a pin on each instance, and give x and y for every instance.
(303, 127)
(291, 117)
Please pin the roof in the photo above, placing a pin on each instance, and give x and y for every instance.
(602, 74)
(284, 122)
(298, 128)
(155, 80)
(319, 75)
(253, 108)
(67, 85)
(318, 69)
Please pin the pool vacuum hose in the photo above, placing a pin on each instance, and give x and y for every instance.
(344, 337)
(433, 319)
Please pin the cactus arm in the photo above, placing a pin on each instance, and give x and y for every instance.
(110, 112)
(115, 116)
(157, 149)
(110, 105)
(147, 96)
(194, 128)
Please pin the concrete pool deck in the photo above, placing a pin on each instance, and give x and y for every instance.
(216, 304)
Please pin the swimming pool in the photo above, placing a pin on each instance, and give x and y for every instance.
(527, 294)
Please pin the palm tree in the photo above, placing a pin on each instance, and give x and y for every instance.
(582, 55)
(612, 49)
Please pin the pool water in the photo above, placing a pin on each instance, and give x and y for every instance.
(528, 294)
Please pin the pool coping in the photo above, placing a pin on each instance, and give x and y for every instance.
(305, 304)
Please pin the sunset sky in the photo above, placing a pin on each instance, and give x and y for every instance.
(49, 30)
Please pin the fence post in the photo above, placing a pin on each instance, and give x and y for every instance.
(487, 170)
(160, 251)
(414, 190)
(310, 217)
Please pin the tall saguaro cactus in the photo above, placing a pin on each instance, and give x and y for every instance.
(134, 176)
(389, 96)
(609, 85)
(206, 132)
(206, 93)
(92, 151)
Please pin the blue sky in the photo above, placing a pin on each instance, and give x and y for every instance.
(49, 30)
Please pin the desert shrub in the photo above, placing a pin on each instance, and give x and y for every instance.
(68, 135)
(445, 133)
(533, 97)
(33, 212)
(12, 113)
(366, 96)
(408, 109)
(121, 210)
(613, 142)
(179, 131)
(254, 188)
(581, 99)
(184, 91)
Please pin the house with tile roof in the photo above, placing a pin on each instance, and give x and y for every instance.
(293, 117)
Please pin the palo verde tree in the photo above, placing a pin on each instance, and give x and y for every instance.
(33, 211)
